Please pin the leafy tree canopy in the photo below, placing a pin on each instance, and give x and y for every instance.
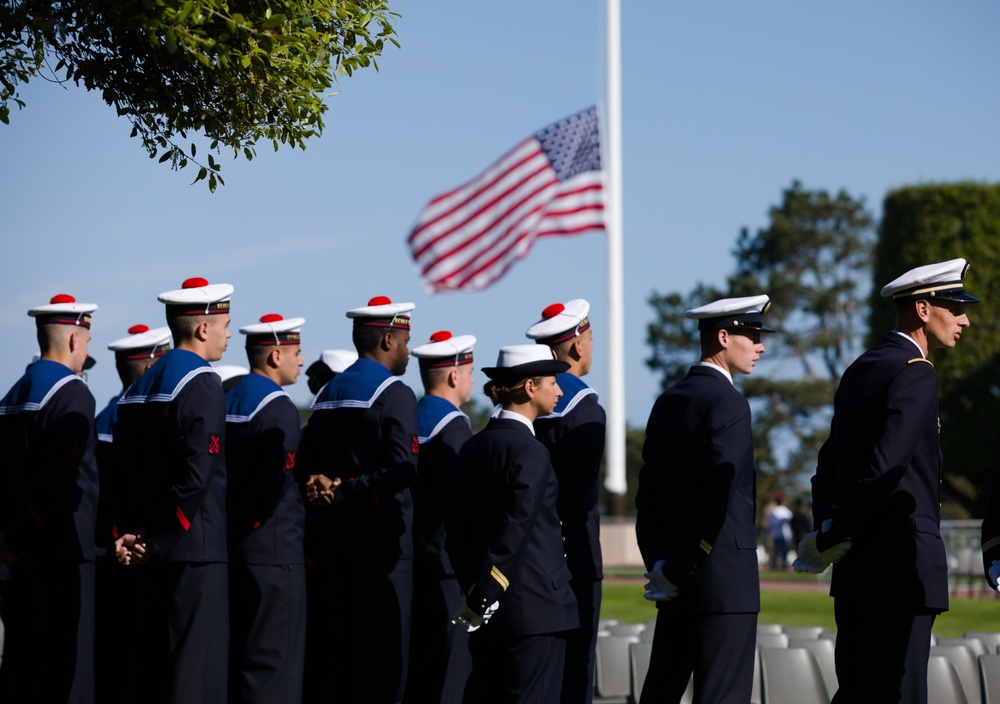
(236, 72)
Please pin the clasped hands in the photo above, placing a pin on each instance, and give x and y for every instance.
(320, 489)
(132, 549)
(809, 557)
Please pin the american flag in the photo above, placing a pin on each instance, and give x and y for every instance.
(549, 184)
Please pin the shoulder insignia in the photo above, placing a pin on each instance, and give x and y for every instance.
(499, 577)
(990, 544)
(921, 359)
(705, 546)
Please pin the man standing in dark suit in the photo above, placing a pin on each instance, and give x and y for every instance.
(574, 434)
(267, 582)
(48, 507)
(170, 470)
(695, 516)
(440, 661)
(876, 495)
(358, 460)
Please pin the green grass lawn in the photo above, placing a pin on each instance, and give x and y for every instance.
(625, 602)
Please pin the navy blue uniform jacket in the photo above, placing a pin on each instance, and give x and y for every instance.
(266, 510)
(697, 492)
(503, 533)
(363, 429)
(443, 429)
(574, 434)
(879, 476)
(48, 476)
(169, 459)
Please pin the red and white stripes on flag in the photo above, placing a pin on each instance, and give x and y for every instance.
(550, 184)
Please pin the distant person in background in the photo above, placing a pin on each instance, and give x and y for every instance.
(779, 526)
(48, 515)
(695, 515)
(802, 521)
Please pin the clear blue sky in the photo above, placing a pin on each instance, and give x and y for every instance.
(725, 103)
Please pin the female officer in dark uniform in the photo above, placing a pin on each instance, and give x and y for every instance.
(505, 542)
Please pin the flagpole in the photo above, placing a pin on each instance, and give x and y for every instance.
(614, 480)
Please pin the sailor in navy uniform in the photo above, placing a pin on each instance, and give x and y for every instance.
(330, 364)
(574, 434)
(48, 508)
(439, 653)
(170, 467)
(876, 494)
(695, 511)
(134, 354)
(504, 539)
(267, 603)
(358, 462)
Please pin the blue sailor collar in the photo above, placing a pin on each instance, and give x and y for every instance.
(433, 414)
(164, 380)
(356, 387)
(39, 384)
(106, 419)
(248, 397)
(574, 390)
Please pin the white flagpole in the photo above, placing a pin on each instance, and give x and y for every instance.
(614, 480)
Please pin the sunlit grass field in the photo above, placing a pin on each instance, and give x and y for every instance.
(623, 601)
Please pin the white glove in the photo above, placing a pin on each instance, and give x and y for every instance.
(470, 620)
(659, 588)
(994, 573)
(810, 559)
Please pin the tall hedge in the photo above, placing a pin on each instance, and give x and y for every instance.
(933, 223)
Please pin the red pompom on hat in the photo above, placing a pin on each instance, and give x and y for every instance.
(441, 336)
(270, 318)
(560, 322)
(553, 310)
(195, 282)
(136, 329)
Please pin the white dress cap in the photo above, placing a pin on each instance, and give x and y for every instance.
(197, 297)
(63, 309)
(445, 350)
(560, 322)
(941, 281)
(150, 342)
(383, 312)
(338, 360)
(522, 361)
(746, 311)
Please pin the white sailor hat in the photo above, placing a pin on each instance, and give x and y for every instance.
(62, 309)
(142, 343)
(231, 374)
(941, 281)
(445, 350)
(330, 364)
(274, 330)
(561, 322)
(197, 297)
(381, 312)
(733, 313)
(517, 362)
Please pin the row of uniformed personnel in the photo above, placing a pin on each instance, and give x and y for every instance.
(237, 556)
